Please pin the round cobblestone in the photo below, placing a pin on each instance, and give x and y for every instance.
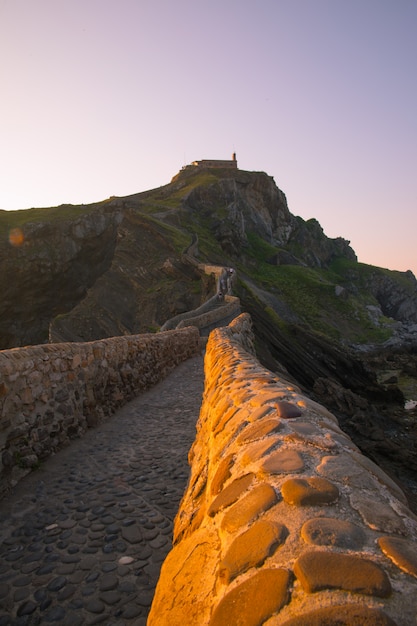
(26, 609)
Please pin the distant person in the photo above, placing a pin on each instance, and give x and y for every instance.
(223, 281)
(230, 274)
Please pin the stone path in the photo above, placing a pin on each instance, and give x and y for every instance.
(82, 539)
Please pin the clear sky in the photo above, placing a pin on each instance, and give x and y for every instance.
(113, 97)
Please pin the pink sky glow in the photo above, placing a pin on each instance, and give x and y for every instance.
(113, 97)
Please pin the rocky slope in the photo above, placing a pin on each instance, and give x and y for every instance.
(336, 326)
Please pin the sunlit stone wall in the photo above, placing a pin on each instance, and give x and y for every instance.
(52, 393)
(284, 522)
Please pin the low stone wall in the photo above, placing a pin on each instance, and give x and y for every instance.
(174, 322)
(52, 393)
(284, 521)
(229, 309)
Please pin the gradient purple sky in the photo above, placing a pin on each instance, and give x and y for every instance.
(112, 97)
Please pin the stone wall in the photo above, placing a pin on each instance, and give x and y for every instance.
(52, 393)
(284, 522)
(207, 306)
(229, 308)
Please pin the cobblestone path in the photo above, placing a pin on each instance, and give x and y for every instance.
(82, 539)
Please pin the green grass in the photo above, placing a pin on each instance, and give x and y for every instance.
(17, 219)
(310, 293)
(276, 319)
(179, 238)
(171, 196)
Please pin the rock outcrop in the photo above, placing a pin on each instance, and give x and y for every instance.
(397, 300)
(315, 248)
(241, 203)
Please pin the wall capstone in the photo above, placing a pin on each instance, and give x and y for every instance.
(284, 522)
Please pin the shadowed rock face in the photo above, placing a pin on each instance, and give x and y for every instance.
(50, 272)
(145, 281)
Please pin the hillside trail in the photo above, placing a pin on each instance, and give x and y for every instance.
(83, 537)
(222, 301)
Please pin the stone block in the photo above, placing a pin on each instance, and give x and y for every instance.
(282, 462)
(222, 474)
(251, 549)
(307, 429)
(342, 615)
(402, 552)
(249, 508)
(343, 468)
(26, 395)
(329, 531)
(287, 410)
(332, 570)
(377, 514)
(273, 397)
(231, 493)
(190, 566)
(260, 412)
(252, 602)
(259, 429)
(312, 491)
(256, 450)
(219, 422)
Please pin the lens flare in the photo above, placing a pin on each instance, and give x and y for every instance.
(16, 237)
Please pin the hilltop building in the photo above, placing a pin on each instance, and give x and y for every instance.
(230, 164)
(217, 163)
